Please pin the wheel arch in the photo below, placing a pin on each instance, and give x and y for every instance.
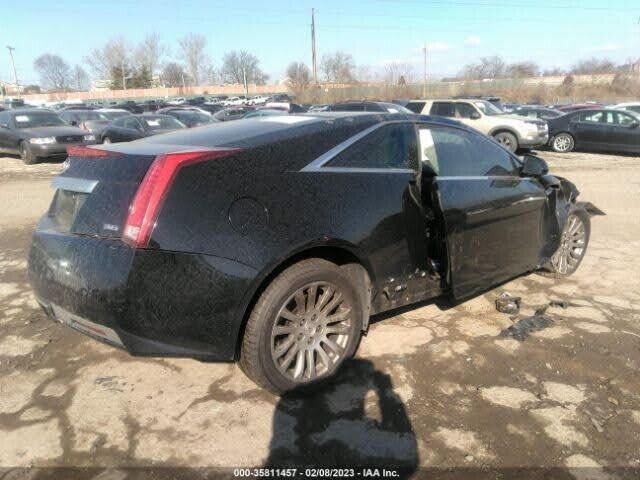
(343, 254)
(505, 129)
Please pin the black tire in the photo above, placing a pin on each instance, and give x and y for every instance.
(257, 359)
(26, 154)
(554, 268)
(563, 143)
(508, 140)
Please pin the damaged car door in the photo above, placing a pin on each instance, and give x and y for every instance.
(491, 215)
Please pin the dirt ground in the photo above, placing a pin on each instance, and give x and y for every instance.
(429, 387)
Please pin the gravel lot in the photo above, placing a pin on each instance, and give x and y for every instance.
(429, 387)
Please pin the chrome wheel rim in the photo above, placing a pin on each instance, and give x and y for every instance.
(504, 141)
(562, 143)
(572, 246)
(312, 330)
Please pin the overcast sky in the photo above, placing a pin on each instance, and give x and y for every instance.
(550, 33)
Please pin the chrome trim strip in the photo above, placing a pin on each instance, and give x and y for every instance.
(488, 177)
(361, 170)
(81, 185)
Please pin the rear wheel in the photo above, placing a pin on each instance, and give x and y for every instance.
(573, 245)
(507, 140)
(563, 143)
(26, 154)
(303, 327)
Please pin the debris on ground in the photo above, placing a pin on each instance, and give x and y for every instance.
(507, 303)
(522, 328)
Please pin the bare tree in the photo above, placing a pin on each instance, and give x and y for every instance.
(593, 66)
(53, 70)
(112, 54)
(192, 47)
(398, 72)
(173, 75)
(80, 78)
(488, 67)
(553, 72)
(338, 67)
(242, 67)
(522, 70)
(298, 76)
(150, 53)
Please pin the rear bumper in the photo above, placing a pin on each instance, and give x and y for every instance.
(148, 302)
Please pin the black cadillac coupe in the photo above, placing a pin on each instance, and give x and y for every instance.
(272, 241)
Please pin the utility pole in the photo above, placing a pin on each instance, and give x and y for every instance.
(13, 64)
(424, 79)
(244, 80)
(313, 47)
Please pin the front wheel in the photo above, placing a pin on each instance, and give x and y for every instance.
(303, 327)
(26, 154)
(573, 245)
(563, 143)
(507, 140)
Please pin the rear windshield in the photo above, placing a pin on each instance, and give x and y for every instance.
(37, 119)
(85, 115)
(161, 123)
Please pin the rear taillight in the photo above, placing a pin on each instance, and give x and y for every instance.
(90, 152)
(150, 196)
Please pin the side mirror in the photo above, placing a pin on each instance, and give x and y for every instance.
(634, 125)
(534, 166)
(475, 116)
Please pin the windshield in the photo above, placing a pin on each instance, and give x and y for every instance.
(38, 119)
(85, 115)
(488, 108)
(161, 123)
(193, 117)
(114, 115)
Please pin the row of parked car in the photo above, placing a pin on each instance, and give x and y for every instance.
(588, 126)
(35, 133)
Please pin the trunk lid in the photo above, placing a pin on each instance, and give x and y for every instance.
(93, 193)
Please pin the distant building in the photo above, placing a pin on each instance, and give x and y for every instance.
(10, 88)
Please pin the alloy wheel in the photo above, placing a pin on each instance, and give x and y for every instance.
(312, 330)
(572, 246)
(562, 143)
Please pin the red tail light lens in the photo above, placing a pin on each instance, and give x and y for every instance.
(150, 196)
(82, 151)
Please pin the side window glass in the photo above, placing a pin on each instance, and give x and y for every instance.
(464, 110)
(591, 117)
(131, 123)
(457, 153)
(444, 109)
(415, 107)
(624, 120)
(532, 114)
(390, 146)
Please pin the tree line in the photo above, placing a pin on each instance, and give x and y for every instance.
(495, 67)
(151, 63)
